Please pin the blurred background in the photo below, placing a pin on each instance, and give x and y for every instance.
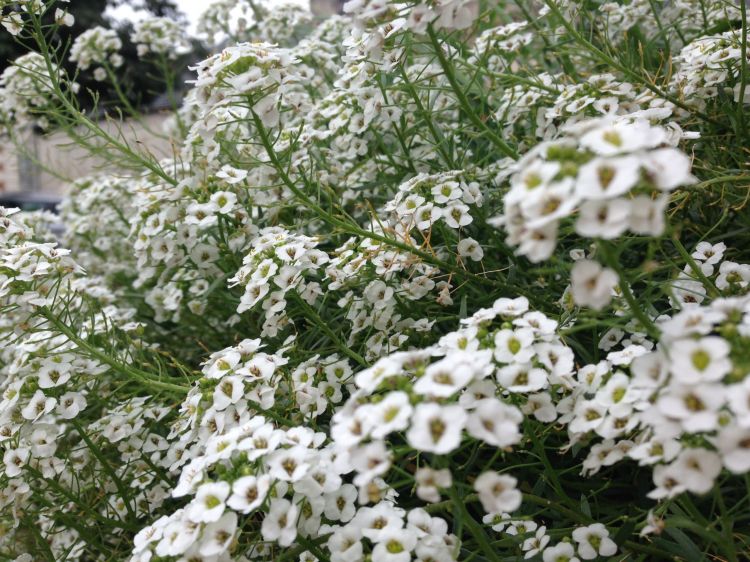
(37, 178)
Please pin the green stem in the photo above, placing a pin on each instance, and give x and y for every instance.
(138, 375)
(95, 129)
(743, 65)
(437, 136)
(466, 105)
(475, 528)
(313, 315)
(107, 468)
(613, 261)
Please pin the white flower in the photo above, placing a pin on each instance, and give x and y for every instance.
(731, 273)
(621, 136)
(592, 285)
(53, 373)
(647, 214)
(231, 175)
(541, 407)
(668, 168)
(589, 415)
(497, 492)
(561, 552)
(289, 465)
(208, 504)
(514, 346)
(280, 524)
(224, 201)
(457, 215)
(655, 450)
(468, 247)
(218, 536)
(390, 414)
(71, 403)
(435, 428)
(38, 405)
(179, 536)
(394, 545)
(446, 191)
(604, 178)
(427, 215)
(229, 390)
(13, 23)
(378, 293)
(701, 360)
(377, 521)
(339, 505)
(63, 17)
(594, 541)
(429, 482)
(733, 443)
(445, 377)
(606, 219)
(697, 469)
(694, 406)
(495, 423)
(522, 377)
(248, 492)
(536, 544)
(370, 461)
(708, 253)
(511, 307)
(345, 544)
(14, 460)
(667, 479)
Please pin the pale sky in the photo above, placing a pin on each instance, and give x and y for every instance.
(192, 8)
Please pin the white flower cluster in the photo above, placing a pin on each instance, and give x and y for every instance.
(278, 263)
(585, 543)
(296, 483)
(97, 46)
(25, 91)
(372, 304)
(255, 71)
(613, 174)
(620, 18)
(443, 14)
(681, 409)
(434, 402)
(494, 45)
(303, 337)
(706, 64)
(285, 24)
(427, 199)
(160, 36)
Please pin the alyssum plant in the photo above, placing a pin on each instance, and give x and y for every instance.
(441, 280)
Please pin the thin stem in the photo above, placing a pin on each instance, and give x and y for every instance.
(466, 105)
(743, 65)
(613, 261)
(313, 315)
(80, 118)
(475, 528)
(132, 372)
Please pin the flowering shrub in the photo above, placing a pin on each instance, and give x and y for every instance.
(426, 281)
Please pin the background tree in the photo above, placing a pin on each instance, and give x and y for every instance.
(137, 77)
